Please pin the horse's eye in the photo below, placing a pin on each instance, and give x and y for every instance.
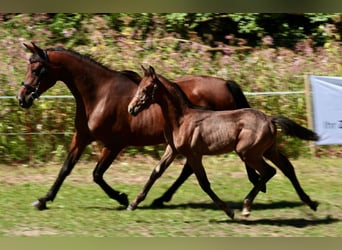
(38, 71)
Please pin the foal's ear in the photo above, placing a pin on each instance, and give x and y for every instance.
(152, 71)
(144, 70)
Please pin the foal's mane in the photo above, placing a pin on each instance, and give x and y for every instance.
(132, 75)
(180, 93)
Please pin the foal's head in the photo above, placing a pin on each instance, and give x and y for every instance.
(38, 78)
(145, 94)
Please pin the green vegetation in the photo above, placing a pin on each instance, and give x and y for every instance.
(262, 52)
(82, 209)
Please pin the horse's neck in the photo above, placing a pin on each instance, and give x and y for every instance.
(79, 75)
(172, 105)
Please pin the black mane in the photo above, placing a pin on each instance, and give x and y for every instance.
(132, 75)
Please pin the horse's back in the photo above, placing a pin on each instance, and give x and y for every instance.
(207, 91)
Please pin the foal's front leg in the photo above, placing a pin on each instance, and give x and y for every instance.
(168, 156)
(197, 167)
(166, 197)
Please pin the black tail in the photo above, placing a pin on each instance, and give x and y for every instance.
(239, 97)
(291, 128)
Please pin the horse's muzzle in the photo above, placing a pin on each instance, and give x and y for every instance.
(26, 101)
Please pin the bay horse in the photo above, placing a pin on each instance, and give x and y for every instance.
(194, 132)
(102, 96)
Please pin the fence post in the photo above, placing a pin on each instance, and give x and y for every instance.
(309, 113)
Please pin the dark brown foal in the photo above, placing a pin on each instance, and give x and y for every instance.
(194, 132)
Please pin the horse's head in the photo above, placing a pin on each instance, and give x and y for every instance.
(145, 94)
(37, 79)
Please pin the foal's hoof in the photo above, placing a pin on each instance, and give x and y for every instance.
(131, 207)
(157, 203)
(39, 204)
(123, 199)
(245, 212)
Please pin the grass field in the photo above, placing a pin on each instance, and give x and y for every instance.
(82, 209)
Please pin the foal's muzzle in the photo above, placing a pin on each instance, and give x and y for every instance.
(133, 110)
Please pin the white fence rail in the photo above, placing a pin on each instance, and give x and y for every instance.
(266, 93)
(246, 93)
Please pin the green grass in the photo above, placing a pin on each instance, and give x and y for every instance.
(82, 209)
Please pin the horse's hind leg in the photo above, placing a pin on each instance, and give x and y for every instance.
(167, 158)
(197, 167)
(78, 144)
(283, 163)
(107, 157)
(166, 197)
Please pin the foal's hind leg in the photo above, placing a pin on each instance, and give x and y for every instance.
(186, 172)
(283, 163)
(254, 178)
(267, 172)
(197, 167)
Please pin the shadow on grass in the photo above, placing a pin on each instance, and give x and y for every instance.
(294, 222)
(234, 205)
(206, 206)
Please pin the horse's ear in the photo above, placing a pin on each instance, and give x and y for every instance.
(29, 47)
(39, 51)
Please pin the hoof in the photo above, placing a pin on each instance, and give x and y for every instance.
(131, 207)
(245, 212)
(157, 203)
(231, 214)
(313, 205)
(123, 199)
(39, 205)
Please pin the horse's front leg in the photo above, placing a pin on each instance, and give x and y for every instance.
(77, 147)
(168, 156)
(106, 159)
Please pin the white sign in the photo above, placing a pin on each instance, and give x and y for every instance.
(327, 108)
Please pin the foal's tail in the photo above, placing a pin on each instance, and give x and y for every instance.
(291, 128)
(239, 98)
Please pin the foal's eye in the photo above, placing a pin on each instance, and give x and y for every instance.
(36, 71)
